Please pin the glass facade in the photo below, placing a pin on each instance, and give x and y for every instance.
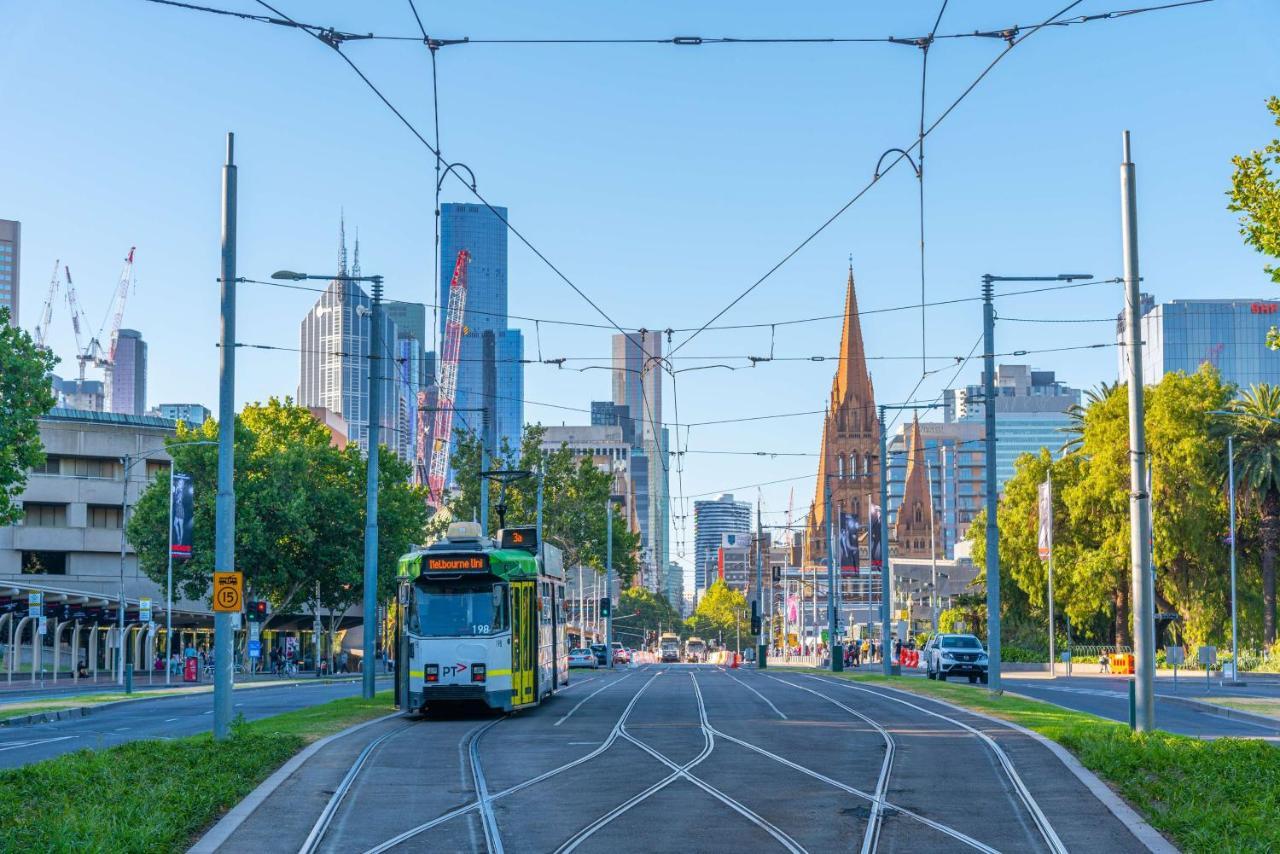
(955, 459)
(1182, 335)
(10, 262)
(483, 234)
(126, 381)
(711, 521)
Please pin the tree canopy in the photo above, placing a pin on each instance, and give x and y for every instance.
(1255, 195)
(722, 612)
(300, 511)
(25, 395)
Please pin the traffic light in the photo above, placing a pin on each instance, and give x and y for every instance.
(605, 606)
(256, 610)
(755, 624)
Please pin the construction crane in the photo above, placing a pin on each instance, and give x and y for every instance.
(94, 352)
(447, 388)
(122, 295)
(46, 312)
(77, 315)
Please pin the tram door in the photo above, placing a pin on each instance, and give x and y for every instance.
(524, 643)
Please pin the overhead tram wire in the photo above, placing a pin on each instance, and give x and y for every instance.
(679, 41)
(336, 45)
(1012, 42)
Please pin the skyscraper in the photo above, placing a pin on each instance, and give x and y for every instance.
(10, 263)
(637, 386)
(483, 234)
(126, 377)
(334, 358)
(712, 520)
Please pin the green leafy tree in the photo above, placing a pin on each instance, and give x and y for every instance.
(25, 395)
(653, 613)
(722, 612)
(575, 495)
(299, 512)
(1256, 448)
(1255, 194)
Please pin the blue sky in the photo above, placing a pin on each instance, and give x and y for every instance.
(663, 180)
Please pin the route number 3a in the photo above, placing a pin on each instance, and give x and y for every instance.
(228, 589)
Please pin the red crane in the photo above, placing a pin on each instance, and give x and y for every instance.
(447, 387)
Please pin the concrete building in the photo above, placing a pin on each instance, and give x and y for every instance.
(1182, 335)
(332, 422)
(194, 414)
(954, 473)
(490, 373)
(712, 522)
(126, 376)
(70, 534)
(72, 394)
(10, 267)
(611, 454)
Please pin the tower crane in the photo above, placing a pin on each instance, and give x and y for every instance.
(442, 429)
(46, 312)
(122, 295)
(77, 314)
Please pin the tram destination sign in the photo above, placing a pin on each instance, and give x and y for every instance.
(456, 563)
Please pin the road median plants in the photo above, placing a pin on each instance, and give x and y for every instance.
(1215, 795)
(154, 795)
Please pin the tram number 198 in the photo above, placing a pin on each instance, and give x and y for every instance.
(480, 630)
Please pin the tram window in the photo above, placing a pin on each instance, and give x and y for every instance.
(460, 610)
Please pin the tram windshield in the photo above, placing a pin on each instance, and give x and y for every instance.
(459, 610)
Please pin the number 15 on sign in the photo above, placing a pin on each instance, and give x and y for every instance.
(228, 590)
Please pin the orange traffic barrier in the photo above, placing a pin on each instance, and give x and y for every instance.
(735, 662)
(1122, 664)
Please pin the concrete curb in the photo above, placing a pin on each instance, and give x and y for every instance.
(1270, 723)
(217, 835)
(85, 711)
(1137, 825)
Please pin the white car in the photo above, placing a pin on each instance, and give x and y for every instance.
(582, 657)
(955, 655)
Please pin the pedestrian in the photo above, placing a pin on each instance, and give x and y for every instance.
(82, 670)
(855, 652)
(897, 649)
(1104, 663)
(342, 662)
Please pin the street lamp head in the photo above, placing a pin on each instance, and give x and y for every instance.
(288, 275)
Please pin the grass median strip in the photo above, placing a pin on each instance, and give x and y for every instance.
(157, 795)
(1221, 795)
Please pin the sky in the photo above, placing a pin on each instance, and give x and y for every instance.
(662, 180)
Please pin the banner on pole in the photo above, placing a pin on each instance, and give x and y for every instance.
(875, 549)
(181, 511)
(849, 529)
(1044, 537)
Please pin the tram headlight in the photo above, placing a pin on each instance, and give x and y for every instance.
(477, 672)
(433, 673)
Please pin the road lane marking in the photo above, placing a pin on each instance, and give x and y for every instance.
(758, 694)
(569, 714)
(170, 720)
(16, 745)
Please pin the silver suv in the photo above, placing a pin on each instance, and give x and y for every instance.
(955, 655)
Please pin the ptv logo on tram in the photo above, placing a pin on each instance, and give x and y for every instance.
(451, 669)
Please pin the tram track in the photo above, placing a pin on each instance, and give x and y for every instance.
(1032, 806)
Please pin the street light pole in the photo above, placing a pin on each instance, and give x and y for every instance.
(933, 546)
(886, 662)
(367, 672)
(1231, 499)
(225, 505)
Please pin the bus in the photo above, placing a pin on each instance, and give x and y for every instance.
(669, 647)
(483, 621)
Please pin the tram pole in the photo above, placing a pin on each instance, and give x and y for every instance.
(608, 580)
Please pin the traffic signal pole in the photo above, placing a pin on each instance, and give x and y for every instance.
(608, 581)
(762, 646)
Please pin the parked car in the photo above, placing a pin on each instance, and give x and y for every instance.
(582, 657)
(955, 655)
(621, 655)
(602, 654)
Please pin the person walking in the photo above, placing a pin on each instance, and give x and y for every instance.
(342, 661)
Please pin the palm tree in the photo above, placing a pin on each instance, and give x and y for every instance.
(1256, 428)
(1077, 413)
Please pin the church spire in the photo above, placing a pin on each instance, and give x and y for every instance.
(852, 373)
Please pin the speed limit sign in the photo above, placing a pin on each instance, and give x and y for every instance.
(228, 590)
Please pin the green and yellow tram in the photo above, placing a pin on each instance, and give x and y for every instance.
(483, 621)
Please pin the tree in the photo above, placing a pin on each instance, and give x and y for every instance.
(653, 613)
(1256, 448)
(721, 612)
(575, 494)
(1255, 194)
(299, 512)
(25, 395)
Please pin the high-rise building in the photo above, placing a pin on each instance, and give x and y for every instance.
(1031, 413)
(126, 376)
(712, 521)
(10, 266)
(490, 375)
(410, 319)
(849, 457)
(606, 413)
(637, 396)
(334, 358)
(1182, 335)
(954, 471)
(673, 586)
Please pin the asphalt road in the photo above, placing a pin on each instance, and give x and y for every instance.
(689, 758)
(163, 717)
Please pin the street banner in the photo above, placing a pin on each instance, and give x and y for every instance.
(848, 544)
(181, 511)
(875, 552)
(792, 613)
(1044, 537)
